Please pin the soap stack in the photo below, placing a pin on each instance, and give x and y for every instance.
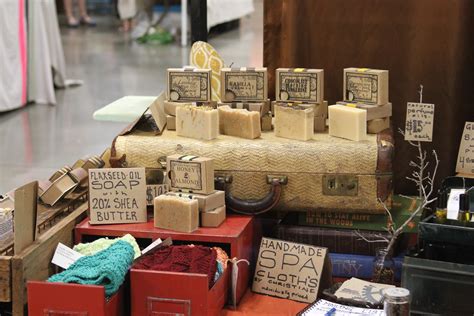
(365, 108)
(190, 88)
(244, 90)
(192, 199)
(299, 109)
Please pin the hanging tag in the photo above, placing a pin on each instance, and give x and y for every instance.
(465, 162)
(419, 122)
(234, 279)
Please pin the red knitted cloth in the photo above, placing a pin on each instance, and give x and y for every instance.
(192, 259)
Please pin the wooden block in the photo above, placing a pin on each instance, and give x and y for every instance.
(266, 122)
(369, 86)
(239, 122)
(26, 208)
(213, 218)
(299, 84)
(347, 122)
(199, 122)
(244, 84)
(206, 202)
(171, 122)
(189, 84)
(191, 174)
(176, 213)
(294, 121)
(373, 111)
(378, 125)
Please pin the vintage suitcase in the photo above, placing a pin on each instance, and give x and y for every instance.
(277, 173)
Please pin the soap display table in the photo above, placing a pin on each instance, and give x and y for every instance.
(236, 235)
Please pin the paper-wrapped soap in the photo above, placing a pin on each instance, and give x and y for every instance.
(176, 213)
(239, 122)
(200, 122)
(294, 121)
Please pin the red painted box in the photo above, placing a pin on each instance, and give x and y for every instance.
(174, 293)
(58, 299)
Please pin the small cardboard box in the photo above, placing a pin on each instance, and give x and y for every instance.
(244, 84)
(369, 86)
(206, 202)
(213, 218)
(299, 84)
(192, 174)
(189, 84)
(58, 189)
(373, 111)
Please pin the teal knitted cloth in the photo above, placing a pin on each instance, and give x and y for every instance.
(107, 268)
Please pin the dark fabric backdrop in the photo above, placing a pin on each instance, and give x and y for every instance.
(427, 42)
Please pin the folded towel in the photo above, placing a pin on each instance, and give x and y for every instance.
(100, 244)
(107, 268)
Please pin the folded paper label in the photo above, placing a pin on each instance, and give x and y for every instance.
(191, 173)
(65, 256)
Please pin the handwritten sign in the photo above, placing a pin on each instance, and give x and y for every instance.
(289, 270)
(117, 195)
(419, 122)
(154, 190)
(465, 163)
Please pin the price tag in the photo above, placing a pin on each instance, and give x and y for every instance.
(465, 162)
(154, 190)
(419, 122)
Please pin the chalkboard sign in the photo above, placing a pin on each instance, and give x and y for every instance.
(419, 122)
(117, 195)
(465, 163)
(289, 270)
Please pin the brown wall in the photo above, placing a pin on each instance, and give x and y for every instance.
(427, 42)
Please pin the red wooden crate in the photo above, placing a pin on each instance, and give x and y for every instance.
(172, 293)
(59, 299)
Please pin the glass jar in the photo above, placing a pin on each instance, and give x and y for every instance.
(384, 267)
(396, 301)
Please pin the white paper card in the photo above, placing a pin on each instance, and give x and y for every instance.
(465, 162)
(419, 122)
(151, 246)
(65, 256)
(322, 307)
(453, 203)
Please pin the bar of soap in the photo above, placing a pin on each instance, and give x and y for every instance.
(244, 84)
(189, 84)
(294, 121)
(369, 86)
(170, 106)
(199, 122)
(206, 202)
(378, 125)
(239, 122)
(373, 111)
(213, 218)
(299, 84)
(171, 122)
(176, 213)
(347, 122)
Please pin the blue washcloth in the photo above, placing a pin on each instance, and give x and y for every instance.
(107, 268)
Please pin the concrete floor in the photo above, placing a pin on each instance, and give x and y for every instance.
(37, 140)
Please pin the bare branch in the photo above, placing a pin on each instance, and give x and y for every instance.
(361, 237)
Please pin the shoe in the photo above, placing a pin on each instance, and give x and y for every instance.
(72, 23)
(88, 22)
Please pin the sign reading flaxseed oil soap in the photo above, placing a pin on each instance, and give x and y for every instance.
(291, 270)
(117, 195)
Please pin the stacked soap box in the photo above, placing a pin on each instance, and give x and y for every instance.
(365, 107)
(192, 199)
(188, 86)
(246, 88)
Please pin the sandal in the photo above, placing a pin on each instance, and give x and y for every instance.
(87, 21)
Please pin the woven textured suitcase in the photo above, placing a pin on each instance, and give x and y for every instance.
(276, 173)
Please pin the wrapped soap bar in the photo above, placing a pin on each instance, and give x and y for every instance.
(244, 84)
(191, 174)
(364, 85)
(239, 122)
(200, 122)
(347, 122)
(373, 111)
(299, 84)
(294, 121)
(378, 125)
(206, 202)
(189, 84)
(213, 218)
(176, 213)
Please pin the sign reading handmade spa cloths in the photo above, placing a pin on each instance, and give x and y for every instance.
(289, 270)
(117, 195)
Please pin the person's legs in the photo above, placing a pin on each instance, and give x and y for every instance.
(85, 18)
(71, 20)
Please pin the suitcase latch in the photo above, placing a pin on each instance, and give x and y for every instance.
(281, 179)
(340, 185)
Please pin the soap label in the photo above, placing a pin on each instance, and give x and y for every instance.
(117, 195)
(186, 175)
(189, 86)
(241, 86)
(361, 87)
(465, 162)
(298, 86)
(419, 122)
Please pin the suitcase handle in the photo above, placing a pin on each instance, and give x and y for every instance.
(255, 207)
